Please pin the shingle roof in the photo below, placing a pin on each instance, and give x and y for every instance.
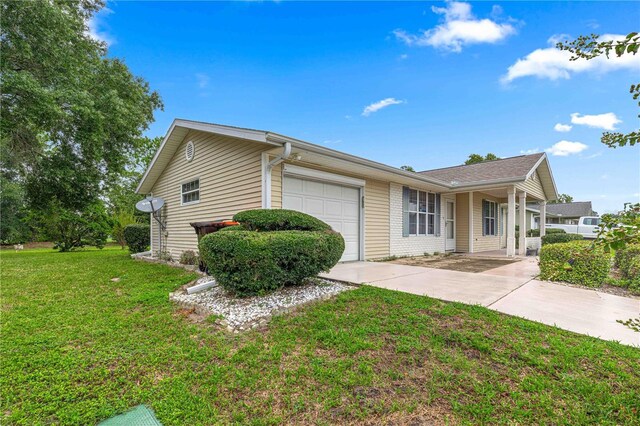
(505, 168)
(575, 209)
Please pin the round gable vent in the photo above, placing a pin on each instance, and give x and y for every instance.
(190, 151)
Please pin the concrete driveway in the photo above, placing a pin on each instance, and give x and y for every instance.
(510, 289)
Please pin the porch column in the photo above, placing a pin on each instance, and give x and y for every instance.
(543, 218)
(470, 222)
(522, 223)
(511, 222)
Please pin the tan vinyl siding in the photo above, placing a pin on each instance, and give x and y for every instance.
(482, 242)
(533, 187)
(376, 209)
(230, 173)
(376, 220)
(462, 222)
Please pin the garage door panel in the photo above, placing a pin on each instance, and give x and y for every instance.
(314, 206)
(350, 210)
(332, 191)
(313, 188)
(337, 205)
(349, 193)
(333, 208)
(350, 229)
(293, 185)
(293, 202)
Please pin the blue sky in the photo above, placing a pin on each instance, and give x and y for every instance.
(440, 80)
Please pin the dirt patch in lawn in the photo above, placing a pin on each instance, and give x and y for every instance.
(455, 262)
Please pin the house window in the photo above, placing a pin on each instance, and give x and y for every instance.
(489, 213)
(190, 192)
(421, 211)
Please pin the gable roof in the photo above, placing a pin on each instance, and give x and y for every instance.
(575, 209)
(513, 168)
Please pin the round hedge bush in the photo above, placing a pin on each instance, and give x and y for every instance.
(577, 262)
(137, 237)
(264, 220)
(253, 263)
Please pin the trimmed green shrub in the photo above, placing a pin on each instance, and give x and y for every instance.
(232, 228)
(577, 262)
(628, 261)
(137, 237)
(188, 257)
(533, 233)
(555, 231)
(560, 238)
(252, 263)
(279, 220)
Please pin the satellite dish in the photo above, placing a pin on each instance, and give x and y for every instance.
(150, 204)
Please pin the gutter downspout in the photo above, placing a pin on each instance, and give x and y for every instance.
(267, 168)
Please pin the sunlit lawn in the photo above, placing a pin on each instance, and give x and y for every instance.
(78, 348)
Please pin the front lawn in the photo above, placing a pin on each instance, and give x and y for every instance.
(78, 348)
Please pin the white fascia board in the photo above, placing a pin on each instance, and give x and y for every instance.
(155, 157)
(442, 186)
(304, 172)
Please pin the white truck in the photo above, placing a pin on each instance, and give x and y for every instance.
(587, 227)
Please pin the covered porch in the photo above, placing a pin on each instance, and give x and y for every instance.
(488, 222)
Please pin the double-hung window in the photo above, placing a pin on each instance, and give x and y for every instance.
(190, 192)
(421, 211)
(489, 215)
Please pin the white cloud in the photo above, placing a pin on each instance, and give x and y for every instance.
(565, 148)
(403, 56)
(604, 176)
(203, 80)
(554, 64)
(460, 28)
(605, 121)
(376, 106)
(332, 142)
(529, 151)
(559, 127)
(98, 30)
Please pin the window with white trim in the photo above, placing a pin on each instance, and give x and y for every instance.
(190, 192)
(421, 209)
(489, 215)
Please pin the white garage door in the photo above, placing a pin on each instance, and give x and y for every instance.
(337, 205)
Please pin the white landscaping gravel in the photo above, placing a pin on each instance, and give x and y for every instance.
(244, 313)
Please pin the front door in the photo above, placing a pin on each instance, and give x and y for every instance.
(450, 225)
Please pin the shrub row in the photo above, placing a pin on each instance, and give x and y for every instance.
(555, 238)
(249, 263)
(578, 262)
(137, 237)
(536, 232)
(555, 231)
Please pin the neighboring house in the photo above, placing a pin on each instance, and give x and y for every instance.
(566, 213)
(210, 172)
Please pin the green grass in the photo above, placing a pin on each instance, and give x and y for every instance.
(78, 348)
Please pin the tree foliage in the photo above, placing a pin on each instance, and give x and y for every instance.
(562, 198)
(590, 47)
(407, 168)
(477, 158)
(72, 118)
(619, 230)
